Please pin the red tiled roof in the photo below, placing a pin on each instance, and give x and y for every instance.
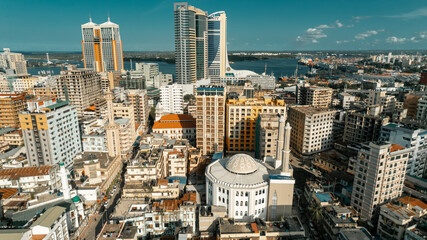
(395, 147)
(8, 192)
(16, 173)
(177, 117)
(175, 121)
(412, 201)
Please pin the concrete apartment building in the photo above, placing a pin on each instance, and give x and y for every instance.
(82, 87)
(379, 176)
(13, 63)
(161, 218)
(346, 99)
(266, 135)
(363, 126)
(51, 132)
(148, 164)
(422, 108)
(10, 107)
(210, 118)
(172, 99)
(242, 115)
(314, 96)
(311, 129)
(177, 163)
(379, 97)
(395, 218)
(411, 103)
(139, 100)
(415, 139)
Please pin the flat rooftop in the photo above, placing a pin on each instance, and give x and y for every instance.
(290, 224)
(91, 157)
(311, 110)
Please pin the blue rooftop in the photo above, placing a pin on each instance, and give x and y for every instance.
(324, 197)
(280, 177)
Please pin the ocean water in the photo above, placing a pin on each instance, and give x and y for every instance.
(278, 67)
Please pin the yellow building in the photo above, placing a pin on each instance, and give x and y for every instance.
(242, 115)
(10, 107)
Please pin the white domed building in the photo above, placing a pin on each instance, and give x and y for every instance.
(250, 188)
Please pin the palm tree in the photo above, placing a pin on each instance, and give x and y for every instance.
(316, 213)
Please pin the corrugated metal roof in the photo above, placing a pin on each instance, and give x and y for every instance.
(49, 217)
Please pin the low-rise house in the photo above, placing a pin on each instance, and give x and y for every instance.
(30, 179)
(96, 168)
(395, 218)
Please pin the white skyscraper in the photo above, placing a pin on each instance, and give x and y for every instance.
(171, 99)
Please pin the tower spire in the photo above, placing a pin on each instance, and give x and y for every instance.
(286, 150)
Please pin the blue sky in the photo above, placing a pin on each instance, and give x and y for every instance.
(54, 25)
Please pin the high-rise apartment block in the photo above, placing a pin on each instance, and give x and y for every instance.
(51, 132)
(414, 139)
(242, 115)
(422, 108)
(172, 99)
(363, 126)
(10, 107)
(13, 63)
(266, 135)
(378, 97)
(379, 176)
(314, 96)
(139, 100)
(82, 87)
(190, 43)
(102, 46)
(311, 129)
(210, 118)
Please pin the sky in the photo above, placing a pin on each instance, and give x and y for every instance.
(282, 25)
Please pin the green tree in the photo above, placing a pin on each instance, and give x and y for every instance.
(316, 213)
(189, 97)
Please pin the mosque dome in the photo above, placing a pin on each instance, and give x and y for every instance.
(241, 164)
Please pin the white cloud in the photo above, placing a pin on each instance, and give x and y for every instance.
(343, 41)
(421, 12)
(339, 24)
(362, 36)
(419, 36)
(396, 40)
(312, 35)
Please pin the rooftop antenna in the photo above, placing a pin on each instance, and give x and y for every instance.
(108, 16)
(90, 17)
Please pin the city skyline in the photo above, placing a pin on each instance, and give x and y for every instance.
(279, 26)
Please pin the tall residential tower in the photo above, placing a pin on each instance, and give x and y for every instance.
(102, 46)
